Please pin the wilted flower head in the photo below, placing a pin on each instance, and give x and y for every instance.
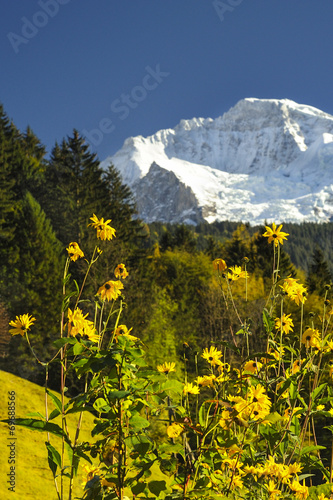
(104, 230)
(74, 251)
(110, 290)
(219, 265)
(275, 234)
(21, 324)
(121, 271)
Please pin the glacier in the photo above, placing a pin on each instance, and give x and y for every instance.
(265, 160)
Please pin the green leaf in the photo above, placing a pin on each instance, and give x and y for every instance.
(55, 413)
(137, 423)
(118, 394)
(65, 340)
(101, 405)
(310, 449)
(172, 385)
(78, 349)
(268, 321)
(156, 487)
(202, 419)
(55, 400)
(53, 458)
(69, 450)
(240, 332)
(36, 414)
(40, 425)
(318, 391)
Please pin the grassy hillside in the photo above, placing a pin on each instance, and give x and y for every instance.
(34, 479)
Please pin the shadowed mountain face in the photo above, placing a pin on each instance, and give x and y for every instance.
(265, 159)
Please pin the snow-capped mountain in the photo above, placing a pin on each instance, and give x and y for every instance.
(263, 160)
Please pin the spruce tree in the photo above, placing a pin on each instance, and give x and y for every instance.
(319, 274)
(33, 286)
(74, 189)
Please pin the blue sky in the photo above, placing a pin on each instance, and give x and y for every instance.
(114, 69)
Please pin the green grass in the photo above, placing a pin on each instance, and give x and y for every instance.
(34, 479)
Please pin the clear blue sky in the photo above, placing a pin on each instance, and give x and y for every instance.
(83, 64)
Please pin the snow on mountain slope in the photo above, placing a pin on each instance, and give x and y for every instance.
(265, 159)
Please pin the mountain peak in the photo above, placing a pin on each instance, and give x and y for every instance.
(264, 159)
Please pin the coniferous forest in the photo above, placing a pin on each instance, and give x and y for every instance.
(170, 300)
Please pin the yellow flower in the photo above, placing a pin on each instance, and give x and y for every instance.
(301, 491)
(322, 497)
(110, 290)
(236, 482)
(235, 272)
(289, 411)
(190, 388)
(219, 265)
(167, 367)
(90, 331)
(296, 366)
(329, 347)
(259, 402)
(311, 338)
(274, 493)
(275, 234)
(252, 366)
(123, 331)
(206, 381)
(212, 355)
(294, 290)
(104, 230)
(79, 325)
(226, 418)
(74, 251)
(286, 324)
(21, 324)
(121, 271)
(76, 321)
(295, 468)
(174, 430)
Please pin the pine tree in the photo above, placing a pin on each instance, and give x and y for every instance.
(75, 189)
(33, 286)
(319, 274)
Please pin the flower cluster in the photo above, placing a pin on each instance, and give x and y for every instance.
(78, 324)
(294, 290)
